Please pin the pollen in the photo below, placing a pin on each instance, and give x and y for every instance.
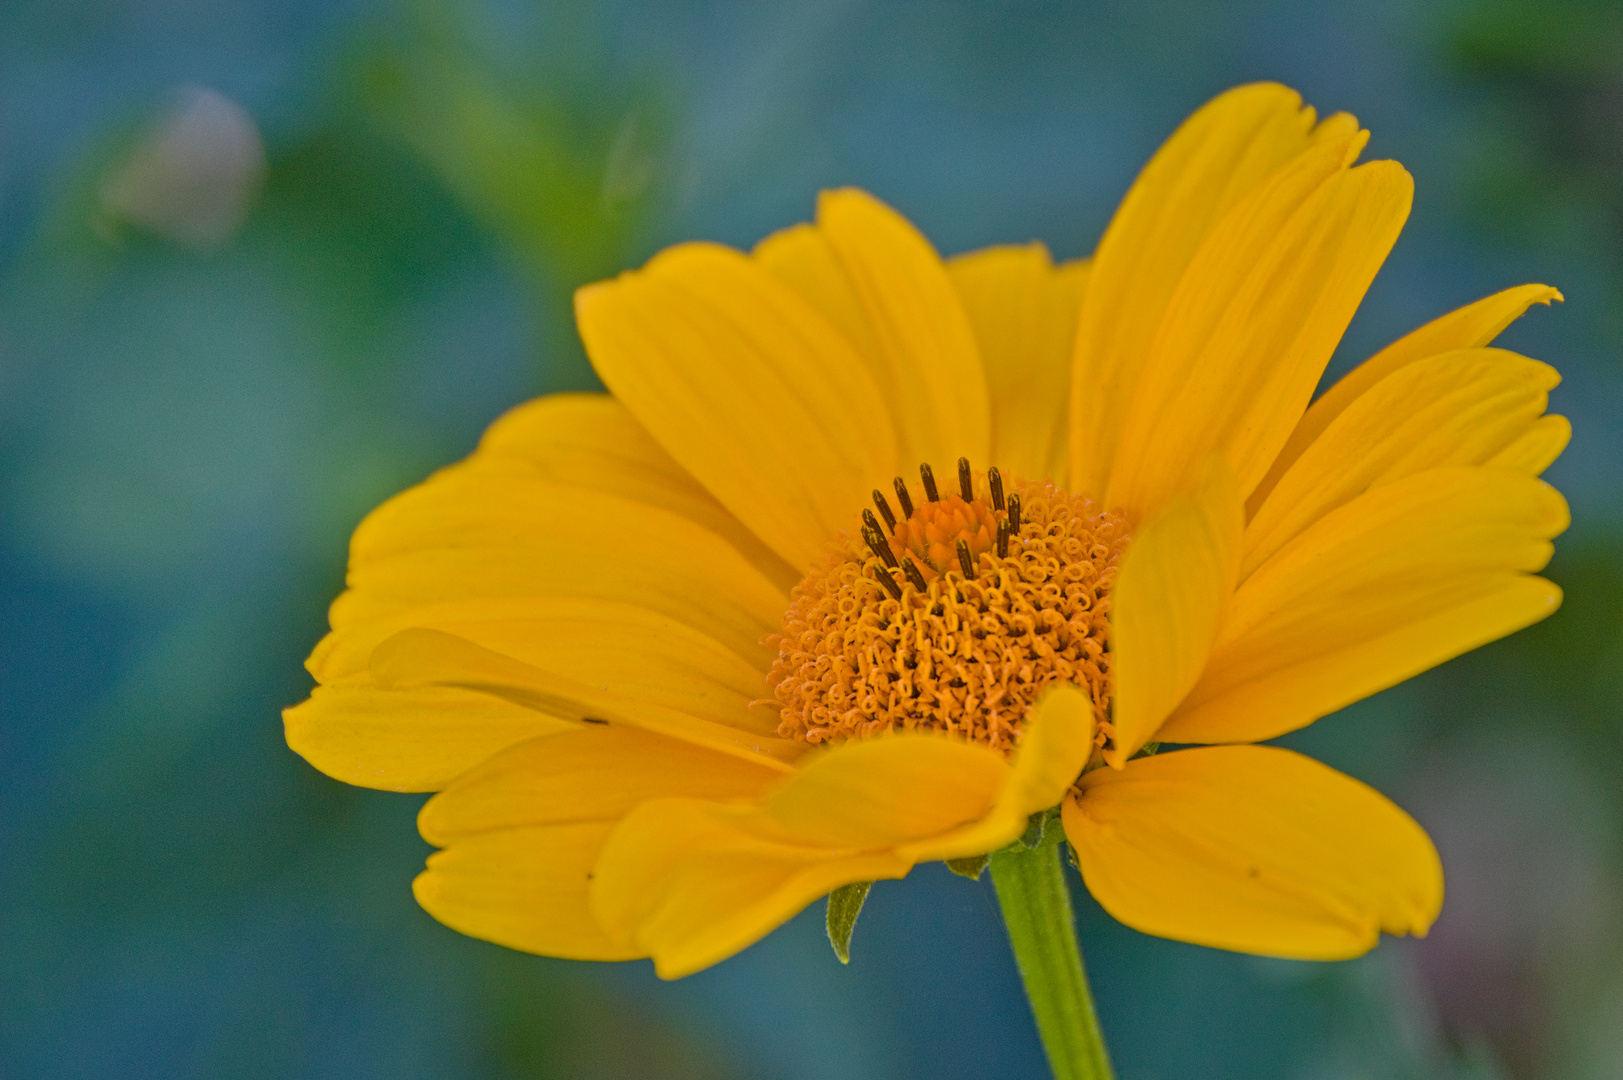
(951, 616)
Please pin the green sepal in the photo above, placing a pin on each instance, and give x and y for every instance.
(1037, 825)
(971, 868)
(844, 905)
(1037, 831)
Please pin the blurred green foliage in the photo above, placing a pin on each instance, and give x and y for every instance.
(565, 178)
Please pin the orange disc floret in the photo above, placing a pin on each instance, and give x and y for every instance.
(966, 654)
(932, 532)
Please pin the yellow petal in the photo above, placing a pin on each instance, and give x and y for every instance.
(1458, 408)
(1055, 744)
(930, 365)
(1255, 849)
(1165, 606)
(591, 441)
(595, 773)
(725, 903)
(616, 569)
(1024, 310)
(692, 882)
(1396, 581)
(481, 531)
(523, 888)
(747, 387)
(1254, 321)
(884, 791)
(627, 650)
(420, 657)
(933, 798)
(416, 739)
(1208, 165)
(802, 256)
(1472, 326)
(478, 530)
(1537, 448)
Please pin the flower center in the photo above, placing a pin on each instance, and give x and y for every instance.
(951, 616)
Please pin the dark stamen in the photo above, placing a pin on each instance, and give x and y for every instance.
(1003, 538)
(913, 574)
(884, 578)
(929, 483)
(995, 479)
(1014, 513)
(884, 510)
(964, 562)
(966, 484)
(876, 541)
(904, 498)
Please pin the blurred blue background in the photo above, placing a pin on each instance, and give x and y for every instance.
(265, 262)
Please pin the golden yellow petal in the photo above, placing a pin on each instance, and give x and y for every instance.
(885, 791)
(419, 657)
(1255, 849)
(747, 387)
(1394, 582)
(802, 256)
(591, 441)
(1024, 311)
(930, 366)
(1210, 164)
(1334, 128)
(692, 882)
(1472, 326)
(479, 530)
(1537, 448)
(624, 649)
(415, 739)
(1055, 744)
(616, 570)
(523, 888)
(1254, 321)
(654, 843)
(1261, 700)
(592, 773)
(1458, 408)
(726, 903)
(1164, 609)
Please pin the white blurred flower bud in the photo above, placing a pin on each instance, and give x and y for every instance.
(194, 176)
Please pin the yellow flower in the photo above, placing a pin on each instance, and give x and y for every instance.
(673, 686)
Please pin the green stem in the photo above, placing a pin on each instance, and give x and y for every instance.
(1037, 910)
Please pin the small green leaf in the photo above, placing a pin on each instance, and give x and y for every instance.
(970, 868)
(844, 905)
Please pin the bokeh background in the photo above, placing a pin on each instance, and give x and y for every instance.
(265, 262)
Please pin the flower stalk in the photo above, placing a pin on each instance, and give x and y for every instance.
(1036, 904)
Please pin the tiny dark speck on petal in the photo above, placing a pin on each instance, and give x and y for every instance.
(594, 720)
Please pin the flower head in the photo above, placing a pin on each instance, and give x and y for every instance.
(867, 557)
